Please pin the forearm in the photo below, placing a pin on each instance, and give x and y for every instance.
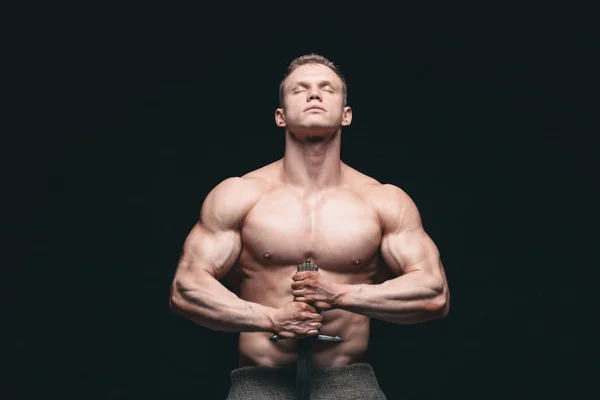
(207, 302)
(407, 299)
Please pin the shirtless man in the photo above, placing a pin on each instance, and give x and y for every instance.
(375, 259)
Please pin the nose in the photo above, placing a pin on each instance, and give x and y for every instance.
(314, 94)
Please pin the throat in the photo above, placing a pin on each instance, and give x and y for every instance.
(312, 171)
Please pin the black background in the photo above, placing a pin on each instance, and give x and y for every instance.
(121, 118)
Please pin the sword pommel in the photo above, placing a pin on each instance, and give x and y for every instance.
(307, 266)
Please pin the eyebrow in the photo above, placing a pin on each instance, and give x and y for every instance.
(324, 82)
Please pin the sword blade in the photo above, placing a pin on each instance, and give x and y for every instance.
(304, 362)
(304, 369)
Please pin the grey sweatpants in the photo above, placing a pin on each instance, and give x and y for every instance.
(350, 382)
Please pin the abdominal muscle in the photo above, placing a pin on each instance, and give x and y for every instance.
(256, 349)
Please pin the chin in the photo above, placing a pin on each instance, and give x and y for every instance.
(317, 128)
(315, 138)
(313, 134)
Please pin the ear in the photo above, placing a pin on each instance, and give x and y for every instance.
(347, 116)
(280, 118)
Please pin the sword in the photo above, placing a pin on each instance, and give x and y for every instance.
(304, 361)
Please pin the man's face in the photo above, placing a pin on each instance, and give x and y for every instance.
(313, 102)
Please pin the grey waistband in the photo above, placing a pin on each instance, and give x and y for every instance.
(349, 382)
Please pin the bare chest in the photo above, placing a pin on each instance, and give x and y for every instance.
(340, 232)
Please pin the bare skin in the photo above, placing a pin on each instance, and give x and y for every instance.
(238, 267)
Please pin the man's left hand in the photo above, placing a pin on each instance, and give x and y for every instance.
(315, 289)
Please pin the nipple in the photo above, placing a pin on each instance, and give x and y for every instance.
(266, 255)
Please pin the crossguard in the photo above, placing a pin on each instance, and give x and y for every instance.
(309, 266)
(334, 339)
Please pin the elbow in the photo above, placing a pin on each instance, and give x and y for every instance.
(439, 304)
(437, 307)
(174, 300)
(444, 306)
(177, 302)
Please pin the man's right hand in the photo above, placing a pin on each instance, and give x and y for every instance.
(296, 320)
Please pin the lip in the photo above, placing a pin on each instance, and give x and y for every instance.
(315, 108)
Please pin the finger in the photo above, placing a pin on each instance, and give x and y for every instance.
(313, 332)
(310, 302)
(307, 306)
(313, 316)
(299, 293)
(304, 284)
(307, 316)
(301, 299)
(298, 276)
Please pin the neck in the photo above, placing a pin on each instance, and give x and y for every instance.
(312, 164)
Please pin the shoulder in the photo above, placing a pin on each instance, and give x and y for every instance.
(381, 195)
(228, 203)
(395, 209)
(237, 189)
(247, 187)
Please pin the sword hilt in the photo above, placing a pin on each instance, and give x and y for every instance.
(309, 266)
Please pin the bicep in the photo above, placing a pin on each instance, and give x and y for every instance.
(213, 251)
(214, 243)
(405, 246)
(409, 250)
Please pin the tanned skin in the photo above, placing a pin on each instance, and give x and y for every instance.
(238, 273)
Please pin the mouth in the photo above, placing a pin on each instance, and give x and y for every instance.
(315, 108)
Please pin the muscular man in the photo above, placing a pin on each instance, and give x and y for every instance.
(375, 259)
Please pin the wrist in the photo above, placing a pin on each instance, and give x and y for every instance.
(343, 293)
(265, 317)
(271, 320)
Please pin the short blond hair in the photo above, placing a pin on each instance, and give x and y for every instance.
(312, 59)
